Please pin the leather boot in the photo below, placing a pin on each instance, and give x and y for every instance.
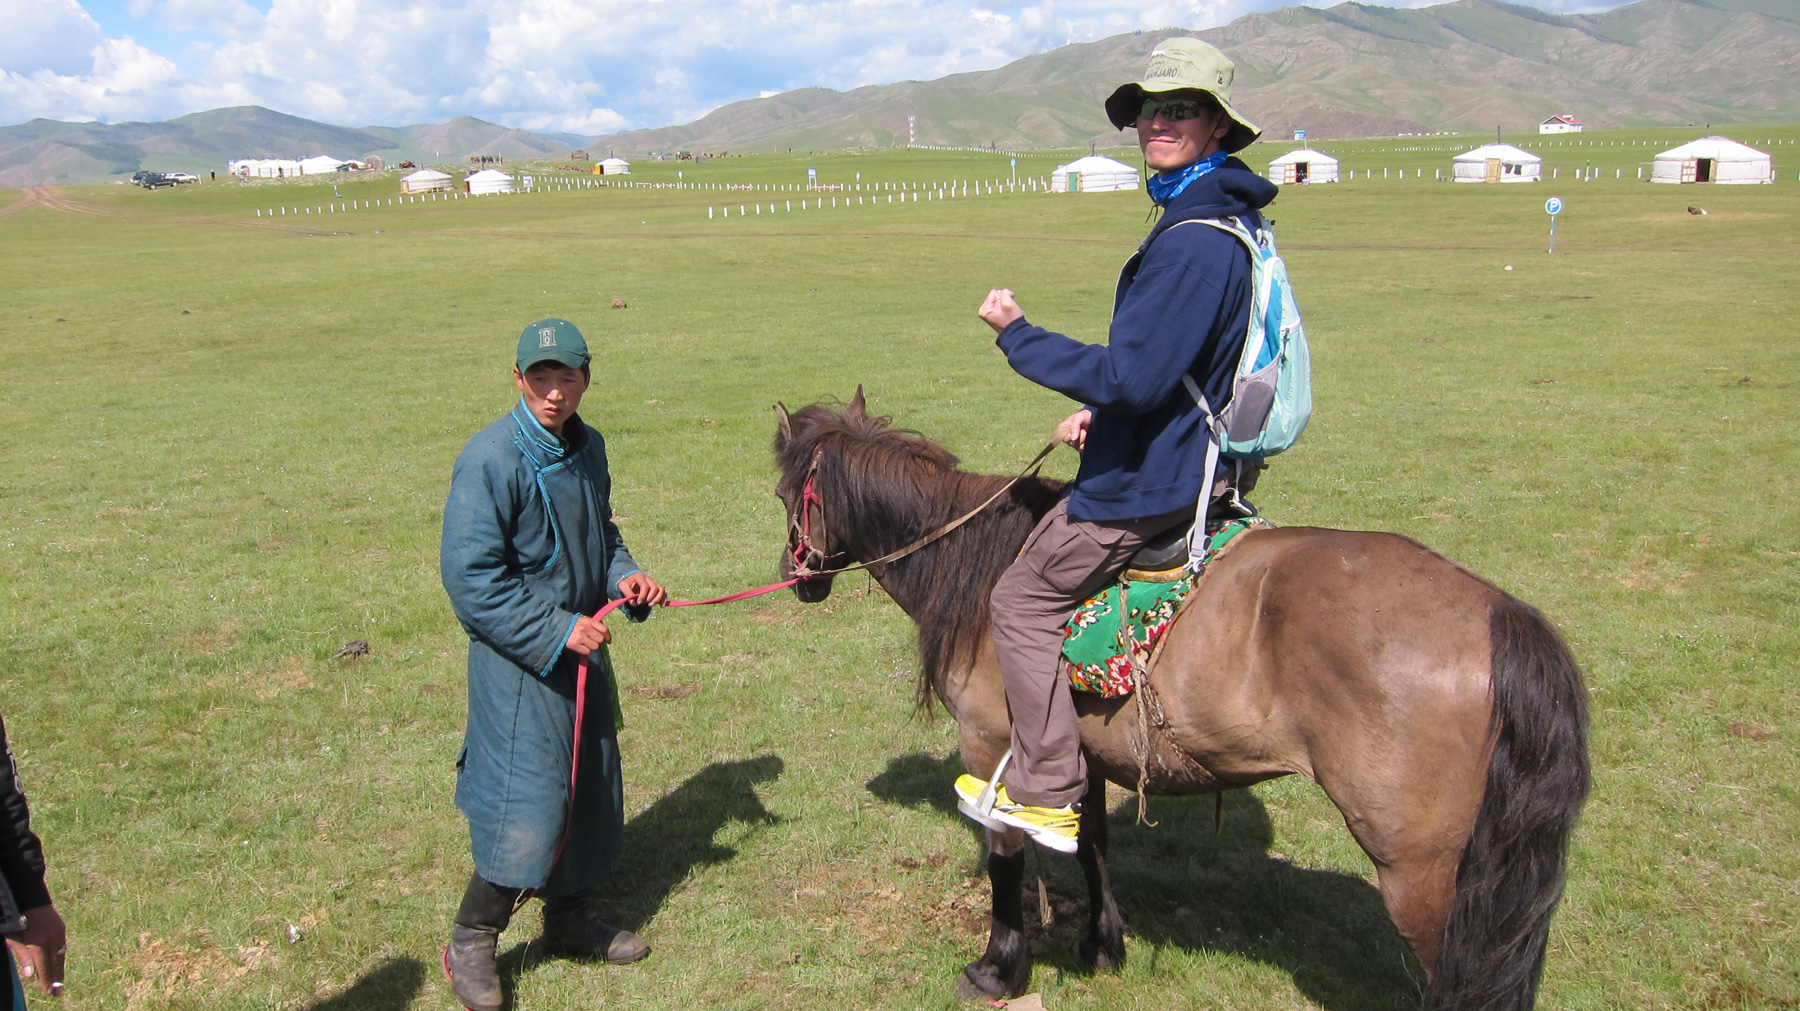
(469, 960)
(573, 929)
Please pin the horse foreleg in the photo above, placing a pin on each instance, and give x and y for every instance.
(1103, 947)
(1004, 969)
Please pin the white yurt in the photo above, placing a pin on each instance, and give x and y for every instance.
(318, 165)
(1712, 160)
(614, 167)
(424, 181)
(488, 181)
(1303, 166)
(1093, 174)
(263, 168)
(1497, 163)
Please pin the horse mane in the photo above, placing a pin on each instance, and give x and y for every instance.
(884, 487)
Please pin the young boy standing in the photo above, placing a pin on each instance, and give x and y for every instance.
(529, 551)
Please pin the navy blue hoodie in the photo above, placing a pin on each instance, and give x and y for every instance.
(1183, 305)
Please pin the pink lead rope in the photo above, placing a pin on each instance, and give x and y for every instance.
(581, 677)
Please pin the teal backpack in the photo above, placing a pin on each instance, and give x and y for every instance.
(1271, 394)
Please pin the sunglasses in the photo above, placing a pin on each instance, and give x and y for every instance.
(1173, 110)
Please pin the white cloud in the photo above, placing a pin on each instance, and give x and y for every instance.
(580, 66)
(124, 81)
(54, 35)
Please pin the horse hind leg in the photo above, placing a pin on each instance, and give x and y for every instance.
(1102, 948)
(1418, 891)
(1004, 969)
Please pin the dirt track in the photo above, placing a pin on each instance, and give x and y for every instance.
(47, 197)
(43, 196)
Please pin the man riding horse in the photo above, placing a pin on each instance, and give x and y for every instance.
(1182, 309)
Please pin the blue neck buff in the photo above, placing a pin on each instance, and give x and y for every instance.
(1166, 186)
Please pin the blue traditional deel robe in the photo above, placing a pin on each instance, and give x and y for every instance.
(529, 545)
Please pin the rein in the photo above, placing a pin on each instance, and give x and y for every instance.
(800, 528)
(581, 679)
(804, 549)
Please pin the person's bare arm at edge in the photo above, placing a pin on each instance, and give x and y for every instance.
(40, 949)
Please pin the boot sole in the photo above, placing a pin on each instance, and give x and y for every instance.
(557, 952)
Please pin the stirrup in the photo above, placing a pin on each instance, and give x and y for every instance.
(982, 811)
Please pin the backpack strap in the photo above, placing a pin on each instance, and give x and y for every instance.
(1196, 538)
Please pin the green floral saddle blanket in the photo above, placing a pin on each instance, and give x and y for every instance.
(1118, 628)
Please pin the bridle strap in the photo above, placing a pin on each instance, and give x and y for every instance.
(1030, 469)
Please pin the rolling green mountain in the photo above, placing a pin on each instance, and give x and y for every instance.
(1344, 71)
(1349, 70)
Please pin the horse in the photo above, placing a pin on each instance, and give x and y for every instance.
(1446, 719)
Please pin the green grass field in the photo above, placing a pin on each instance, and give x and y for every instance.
(228, 438)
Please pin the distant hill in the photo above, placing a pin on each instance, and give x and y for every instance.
(1349, 70)
(1344, 71)
(45, 151)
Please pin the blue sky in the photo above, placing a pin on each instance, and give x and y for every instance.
(578, 66)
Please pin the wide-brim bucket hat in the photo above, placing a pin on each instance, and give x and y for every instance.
(1184, 64)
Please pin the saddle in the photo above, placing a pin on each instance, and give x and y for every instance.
(1109, 640)
(1162, 558)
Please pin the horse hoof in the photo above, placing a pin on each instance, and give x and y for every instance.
(981, 982)
(1093, 956)
(968, 993)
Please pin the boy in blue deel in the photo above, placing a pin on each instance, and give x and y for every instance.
(530, 550)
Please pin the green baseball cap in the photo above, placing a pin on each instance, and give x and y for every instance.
(1184, 64)
(552, 340)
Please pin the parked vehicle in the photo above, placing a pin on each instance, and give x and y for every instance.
(182, 177)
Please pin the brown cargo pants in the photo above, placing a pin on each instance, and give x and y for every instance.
(1064, 562)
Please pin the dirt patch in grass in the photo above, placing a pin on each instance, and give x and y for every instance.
(1648, 573)
(216, 639)
(1735, 992)
(173, 973)
(1751, 731)
(680, 691)
(775, 616)
(290, 676)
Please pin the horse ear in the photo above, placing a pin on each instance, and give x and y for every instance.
(782, 423)
(858, 406)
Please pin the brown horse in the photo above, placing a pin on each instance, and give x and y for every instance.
(1445, 719)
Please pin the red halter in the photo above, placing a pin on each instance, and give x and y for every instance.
(804, 553)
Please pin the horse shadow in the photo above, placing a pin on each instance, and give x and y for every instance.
(390, 986)
(1180, 887)
(665, 843)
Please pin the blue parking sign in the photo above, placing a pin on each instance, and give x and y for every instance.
(1553, 206)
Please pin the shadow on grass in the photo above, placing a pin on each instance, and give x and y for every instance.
(1179, 888)
(665, 843)
(390, 986)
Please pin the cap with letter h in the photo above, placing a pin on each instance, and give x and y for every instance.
(552, 340)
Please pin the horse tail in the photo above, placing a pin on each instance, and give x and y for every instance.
(1513, 868)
